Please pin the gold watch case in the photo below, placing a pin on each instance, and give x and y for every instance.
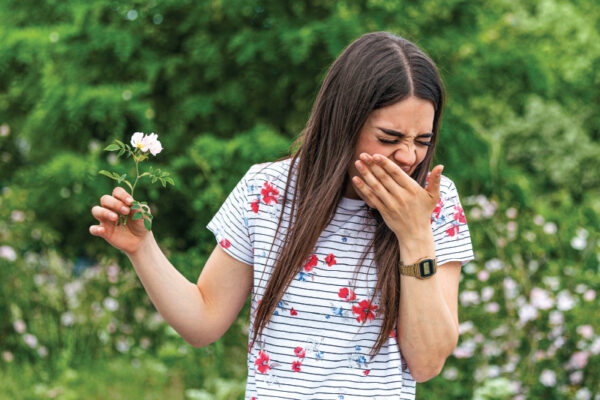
(422, 269)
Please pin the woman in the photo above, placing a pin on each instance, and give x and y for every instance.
(347, 299)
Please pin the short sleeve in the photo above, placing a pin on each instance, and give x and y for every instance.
(230, 224)
(449, 225)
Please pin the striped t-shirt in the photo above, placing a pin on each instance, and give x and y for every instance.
(315, 345)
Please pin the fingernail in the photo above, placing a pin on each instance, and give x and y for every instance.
(124, 210)
(377, 158)
(113, 215)
(129, 200)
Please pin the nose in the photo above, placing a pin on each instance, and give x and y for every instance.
(406, 155)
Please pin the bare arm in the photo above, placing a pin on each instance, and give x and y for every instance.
(201, 313)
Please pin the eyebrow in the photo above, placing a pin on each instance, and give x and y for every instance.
(400, 134)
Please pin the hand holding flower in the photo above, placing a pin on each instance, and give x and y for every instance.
(141, 144)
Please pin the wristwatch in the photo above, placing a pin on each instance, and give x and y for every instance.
(422, 269)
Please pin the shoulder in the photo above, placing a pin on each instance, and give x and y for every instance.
(274, 172)
(447, 188)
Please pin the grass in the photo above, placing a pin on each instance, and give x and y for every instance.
(115, 379)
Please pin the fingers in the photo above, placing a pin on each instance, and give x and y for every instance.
(121, 194)
(390, 168)
(366, 193)
(434, 180)
(378, 180)
(112, 206)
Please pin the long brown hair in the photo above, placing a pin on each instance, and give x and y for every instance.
(376, 70)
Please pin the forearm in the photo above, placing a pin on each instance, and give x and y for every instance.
(178, 300)
(427, 332)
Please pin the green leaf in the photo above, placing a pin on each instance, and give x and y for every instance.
(148, 224)
(112, 147)
(120, 179)
(171, 181)
(121, 153)
(111, 175)
(120, 143)
(138, 215)
(135, 207)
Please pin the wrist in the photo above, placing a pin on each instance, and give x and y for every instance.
(415, 248)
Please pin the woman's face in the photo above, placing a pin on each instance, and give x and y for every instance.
(400, 132)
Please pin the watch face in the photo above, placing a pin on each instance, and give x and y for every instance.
(426, 268)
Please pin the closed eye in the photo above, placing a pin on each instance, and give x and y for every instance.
(385, 141)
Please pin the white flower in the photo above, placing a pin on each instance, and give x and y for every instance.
(511, 213)
(576, 377)
(4, 130)
(510, 288)
(579, 360)
(466, 326)
(450, 373)
(153, 143)
(586, 331)
(17, 216)
(527, 313)
(578, 243)
(494, 265)
(553, 282)
(556, 318)
(483, 275)
(487, 293)
(8, 356)
(469, 297)
(583, 394)
(30, 340)
(538, 220)
(19, 326)
(541, 299)
(67, 319)
(110, 304)
(138, 142)
(465, 349)
(492, 307)
(8, 253)
(42, 351)
(550, 228)
(548, 378)
(565, 301)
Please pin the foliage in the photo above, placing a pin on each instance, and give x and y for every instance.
(230, 84)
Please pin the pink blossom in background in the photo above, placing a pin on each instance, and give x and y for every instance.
(586, 331)
(8, 253)
(579, 360)
(19, 326)
(548, 378)
(541, 299)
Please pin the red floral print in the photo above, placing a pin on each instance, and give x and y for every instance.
(437, 210)
(312, 262)
(254, 205)
(262, 362)
(459, 215)
(269, 193)
(330, 260)
(366, 372)
(347, 294)
(300, 352)
(364, 311)
(293, 312)
(225, 243)
(296, 366)
(453, 230)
